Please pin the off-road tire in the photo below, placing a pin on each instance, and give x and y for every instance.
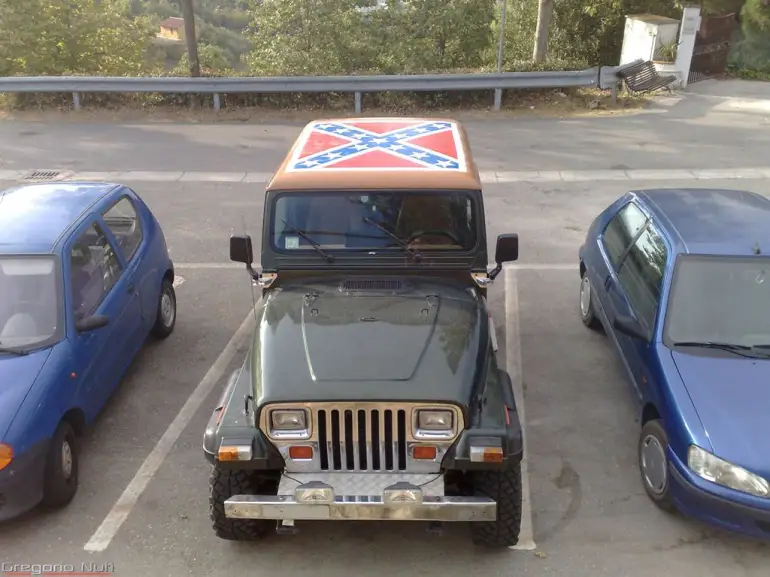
(223, 484)
(505, 488)
(59, 485)
(163, 328)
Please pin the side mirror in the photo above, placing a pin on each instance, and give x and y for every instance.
(241, 250)
(507, 249)
(630, 327)
(92, 323)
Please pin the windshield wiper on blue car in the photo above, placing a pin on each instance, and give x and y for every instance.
(314, 244)
(730, 347)
(12, 351)
(416, 256)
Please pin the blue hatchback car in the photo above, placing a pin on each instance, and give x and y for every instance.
(679, 279)
(85, 277)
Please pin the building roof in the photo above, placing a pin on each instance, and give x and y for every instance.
(712, 221)
(379, 153)
(173, 22)
(34, 216)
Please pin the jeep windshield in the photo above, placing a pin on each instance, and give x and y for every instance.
(720, 302)
(30, 298)
(374, 221)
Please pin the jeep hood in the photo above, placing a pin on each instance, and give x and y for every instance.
(417, 342)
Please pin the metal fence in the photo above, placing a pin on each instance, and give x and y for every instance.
(603, 77)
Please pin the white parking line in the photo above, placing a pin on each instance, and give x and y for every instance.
(513, 366)
(124, 505)
(515, 266)
(487, 176)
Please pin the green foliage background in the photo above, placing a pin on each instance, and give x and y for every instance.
(298, 37)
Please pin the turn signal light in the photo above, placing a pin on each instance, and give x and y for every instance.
(234, 453)
(6, 456)
(487, 454)
(300, 452)
(426, 452)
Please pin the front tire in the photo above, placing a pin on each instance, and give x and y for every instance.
(165, 320)
(60, 482)
(223, 484)
(654, 463)
(587, 311)
(505, 488)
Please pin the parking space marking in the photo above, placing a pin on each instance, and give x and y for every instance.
(256, 266)
(178, 280)
(513, 366)
(487, 176)
(126, 502)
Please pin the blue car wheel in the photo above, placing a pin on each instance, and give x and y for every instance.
(61, 469)
(653, 464)
(166, 315)
(587, 314)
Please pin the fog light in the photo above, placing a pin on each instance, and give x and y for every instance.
(314, 491)
(486, 454)
(402, 492)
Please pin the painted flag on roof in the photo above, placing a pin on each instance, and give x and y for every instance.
(391, 144)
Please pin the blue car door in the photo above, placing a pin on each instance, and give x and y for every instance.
(97, 286)
(615, 241)
(639, 283)
(124, 230)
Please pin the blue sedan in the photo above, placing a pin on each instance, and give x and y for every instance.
(85, 277)
(679, 280)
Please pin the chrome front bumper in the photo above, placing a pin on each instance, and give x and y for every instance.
(361, 496)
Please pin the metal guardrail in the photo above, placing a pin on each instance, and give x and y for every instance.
(602, 77)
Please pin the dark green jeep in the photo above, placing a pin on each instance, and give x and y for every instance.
(371, 389)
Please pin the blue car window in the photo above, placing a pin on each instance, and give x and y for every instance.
(641, 276)
(94, 270)
(621, 230)
(123, 221)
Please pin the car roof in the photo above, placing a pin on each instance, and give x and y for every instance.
(711, 221)
(34, 216)
(442, 156)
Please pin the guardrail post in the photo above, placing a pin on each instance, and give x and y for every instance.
(217, 104)
(615, 93)
(358, 103)
(76, 100)
(498, 98)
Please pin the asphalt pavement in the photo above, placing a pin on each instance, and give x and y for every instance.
(142, 505)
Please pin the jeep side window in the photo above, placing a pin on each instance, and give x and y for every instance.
(621, 230)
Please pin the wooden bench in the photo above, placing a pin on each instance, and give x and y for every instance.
(643, 77)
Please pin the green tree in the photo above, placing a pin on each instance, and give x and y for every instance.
(756, 18)
(59, 37)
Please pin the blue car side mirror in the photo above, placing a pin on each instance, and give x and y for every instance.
(627, 325)
(92, 323)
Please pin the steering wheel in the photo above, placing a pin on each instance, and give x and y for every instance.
(415, 235)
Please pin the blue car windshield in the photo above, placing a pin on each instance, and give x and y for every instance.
(719, 299)
(29, 301)
(375, 220)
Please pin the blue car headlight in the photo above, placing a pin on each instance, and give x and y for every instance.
(716, 470)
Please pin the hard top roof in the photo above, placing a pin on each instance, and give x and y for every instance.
(712, 221)
(34, 216)
(379, 153)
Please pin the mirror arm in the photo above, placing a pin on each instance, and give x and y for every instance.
(495, 271)
(254, 274)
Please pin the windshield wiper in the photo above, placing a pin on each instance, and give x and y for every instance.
(730, 347)
(416, 256)
(12, 351)
(314, 244)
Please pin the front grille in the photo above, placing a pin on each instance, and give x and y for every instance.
(362, 440)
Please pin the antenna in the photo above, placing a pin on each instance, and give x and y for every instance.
(252, 282)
